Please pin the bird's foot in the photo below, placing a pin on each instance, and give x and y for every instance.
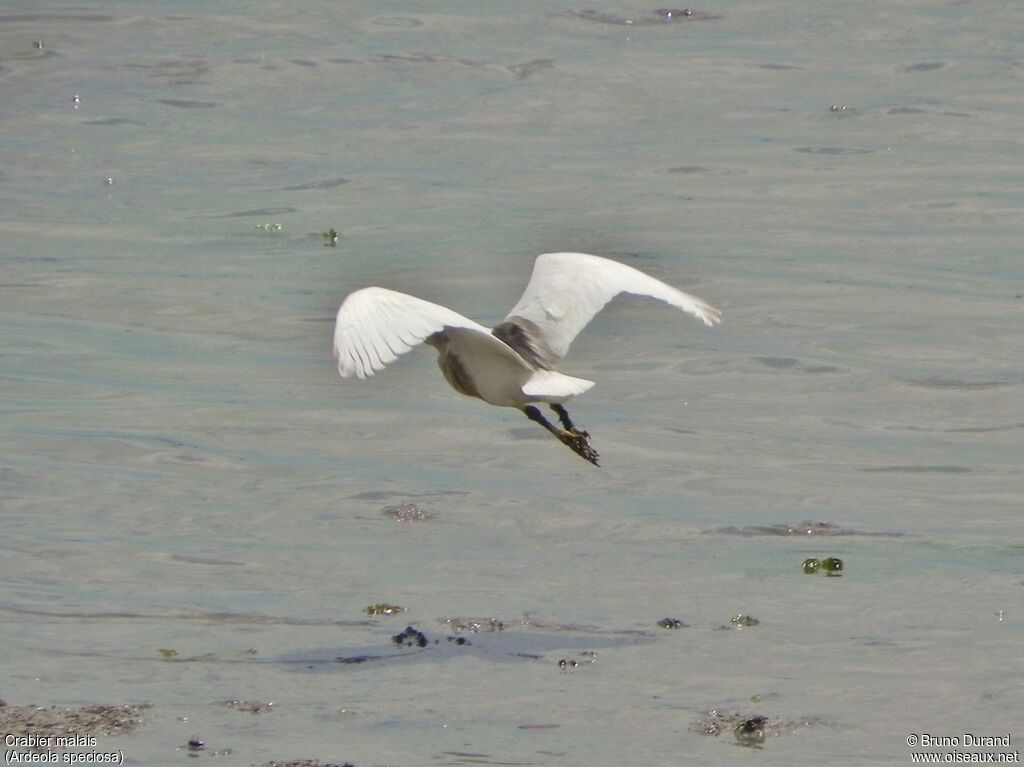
(579, 442)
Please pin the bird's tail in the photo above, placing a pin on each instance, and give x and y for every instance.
(550, 386)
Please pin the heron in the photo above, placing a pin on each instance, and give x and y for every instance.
(514, 363)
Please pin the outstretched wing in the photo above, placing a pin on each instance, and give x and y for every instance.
(375, 325)
(566, 290)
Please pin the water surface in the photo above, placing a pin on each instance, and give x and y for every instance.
(182, 469)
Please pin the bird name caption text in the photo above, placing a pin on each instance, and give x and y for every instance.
(53, 749)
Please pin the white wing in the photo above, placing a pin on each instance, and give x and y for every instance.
(566, 290)
(375, 325)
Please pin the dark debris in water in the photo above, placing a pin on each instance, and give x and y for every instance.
(832, 566)
(800, 529)
(410, 637)
(413, 637)
(519, 642)
(56, 721)
(331, 237)
(672, 623)
(749, 730)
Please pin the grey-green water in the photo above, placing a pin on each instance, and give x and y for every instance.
(182, 469)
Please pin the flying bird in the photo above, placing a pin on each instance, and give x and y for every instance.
(512, 364)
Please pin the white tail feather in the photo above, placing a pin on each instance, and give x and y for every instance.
(550, 386)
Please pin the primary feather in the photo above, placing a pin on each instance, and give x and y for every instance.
(566, 290)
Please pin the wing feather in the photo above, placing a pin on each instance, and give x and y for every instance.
(400, 338)
(376, 343)
(375, 325)
(359, 340)
(566, 290)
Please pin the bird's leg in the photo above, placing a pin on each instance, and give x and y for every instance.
(575, 439)
(535, 415)
(563, 416)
